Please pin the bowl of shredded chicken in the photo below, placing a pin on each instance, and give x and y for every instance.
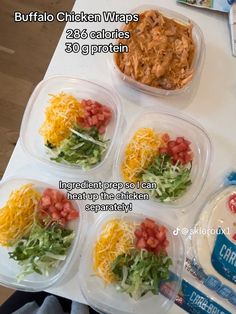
(162, 52)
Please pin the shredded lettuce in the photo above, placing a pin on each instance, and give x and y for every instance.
(172, 180)
(43, 250)
(140, 271)
(83, 147)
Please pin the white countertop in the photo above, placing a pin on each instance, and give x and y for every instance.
(214, 105)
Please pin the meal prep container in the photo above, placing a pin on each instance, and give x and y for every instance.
(33, 143)
(105, 298)
(174, 125)
(9, 268)
(197, 64)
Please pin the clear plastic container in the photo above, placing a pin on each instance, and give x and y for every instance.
(33, 143)
(174, 125)
(9, 268)
(105, 298)
(197, 64)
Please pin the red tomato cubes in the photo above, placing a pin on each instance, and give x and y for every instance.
(151, 236)
(179, 149)
(54, 204)
(232, 203)
(95, 115)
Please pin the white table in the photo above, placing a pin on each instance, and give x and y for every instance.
(214, 105)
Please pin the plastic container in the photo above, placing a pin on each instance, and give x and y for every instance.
(174, 125)
(106, 299)
(33, 142)
(197, 64)
(9, 269)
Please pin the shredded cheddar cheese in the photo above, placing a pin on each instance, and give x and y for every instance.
(140, 153)
(60, 116)
(17, 216)
(117, 237)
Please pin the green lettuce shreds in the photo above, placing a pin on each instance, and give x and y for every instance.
(172, 180)
(83, 147)
(139, 272)
(43, 250)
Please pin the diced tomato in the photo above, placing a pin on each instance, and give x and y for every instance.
(152, 242)
(161, 236)
(162, 229)
(95, 115)
(163, 150)
(47, 192)
(232, 203)
(151, 236)
(141, 244)
(101, 117)
(52, 209)
(145, 235)
(149, 223)
(150, 232)
(59, 206)
(176, 149)
(179, 140)
(187, 158)
(187, 142)
(171, 144)
(179, 150)
(56, 215)
(63, 213)
(175, 157)
(67, 207)
(234, 237)
(95, 120)
(54, 204)
(143, 226)
(138, 233)
(73, 215)
(166, 137)
(45, 201)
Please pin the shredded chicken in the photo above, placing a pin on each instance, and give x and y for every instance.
(161, 51)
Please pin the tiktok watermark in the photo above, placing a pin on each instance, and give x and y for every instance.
(201, 231)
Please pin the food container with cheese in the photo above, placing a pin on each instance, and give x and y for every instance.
(36, 250)
(71, 125)
(113, 260)
(170, 151)
(166, 52)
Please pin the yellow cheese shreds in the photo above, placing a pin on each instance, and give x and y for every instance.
(17, 216)
(140, 153)
(60, 116)
(117, 237)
